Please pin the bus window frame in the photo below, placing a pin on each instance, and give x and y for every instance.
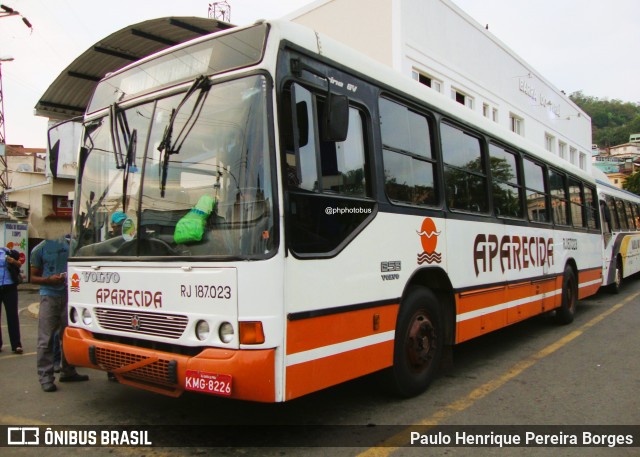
(436, 152)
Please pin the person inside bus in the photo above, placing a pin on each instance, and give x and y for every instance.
(117, 219)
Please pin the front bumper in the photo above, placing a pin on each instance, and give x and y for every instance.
(253, 371)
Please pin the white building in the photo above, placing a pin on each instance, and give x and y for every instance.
(625, 149)
(438, 44)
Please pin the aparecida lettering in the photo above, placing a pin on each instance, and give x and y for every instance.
(128, 297)
(511, 252)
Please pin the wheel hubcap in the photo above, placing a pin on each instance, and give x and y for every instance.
(421, 342)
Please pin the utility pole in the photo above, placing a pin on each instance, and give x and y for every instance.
(220, 11)
(4, 172)
(5, 11)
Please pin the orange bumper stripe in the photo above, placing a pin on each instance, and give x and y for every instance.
(253, 371)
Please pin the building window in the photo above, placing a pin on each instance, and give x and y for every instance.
(562, 150)
(462, 98)
(573, 155)
(517, 124)
(485, 110)
(427, 80)
(549, 142)
(583, 161)
(494, 114)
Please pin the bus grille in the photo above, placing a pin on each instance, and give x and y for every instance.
(164, 325)
(159, 372)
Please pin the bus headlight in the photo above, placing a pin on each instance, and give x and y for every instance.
(86, 317)
(226, 332)
(73, 315)
(202, 330)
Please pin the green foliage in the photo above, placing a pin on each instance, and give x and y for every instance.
(632, 184)
(612, 121)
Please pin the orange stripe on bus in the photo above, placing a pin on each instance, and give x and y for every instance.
(493, 320)
(483, 298)
(594, 275)
(328, 371)
(590, 275)
(317, 332)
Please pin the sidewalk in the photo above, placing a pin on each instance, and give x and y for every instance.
(32, 292)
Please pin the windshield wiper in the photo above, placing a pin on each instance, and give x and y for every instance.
(167, 147)
(129, 165)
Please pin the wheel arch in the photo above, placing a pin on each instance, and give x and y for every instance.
(437, 280)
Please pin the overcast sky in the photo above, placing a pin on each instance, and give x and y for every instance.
(587, 45)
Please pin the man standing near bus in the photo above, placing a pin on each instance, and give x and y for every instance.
(49, 270)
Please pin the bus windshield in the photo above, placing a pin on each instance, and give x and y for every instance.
(186, 175)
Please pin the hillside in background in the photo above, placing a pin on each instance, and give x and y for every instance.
(612, 120)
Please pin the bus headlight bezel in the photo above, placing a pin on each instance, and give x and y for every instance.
(226, 332)
(87, 318)
(74, 318)
(202, 330)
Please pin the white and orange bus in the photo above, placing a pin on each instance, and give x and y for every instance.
(296, 215)
(620, 212)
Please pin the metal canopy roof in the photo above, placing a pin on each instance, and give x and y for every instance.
(69, 94)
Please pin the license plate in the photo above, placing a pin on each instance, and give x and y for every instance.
(211, 383)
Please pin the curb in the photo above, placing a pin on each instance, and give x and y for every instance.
(34, 310)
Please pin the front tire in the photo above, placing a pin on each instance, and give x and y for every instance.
(418, 345)
(615, 286)
(567, 311)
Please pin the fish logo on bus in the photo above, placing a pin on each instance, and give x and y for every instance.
(429, 240)
(75, 283)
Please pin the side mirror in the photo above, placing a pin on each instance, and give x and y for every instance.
(335, 118)
(54, 151)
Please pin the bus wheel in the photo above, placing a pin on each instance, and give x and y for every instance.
(418, 344)
(617, 279)
(567, 310)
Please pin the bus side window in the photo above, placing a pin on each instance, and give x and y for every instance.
(613, 214)
(464, 170)
(407, 155)
(622, 214)
(558, 197)
(537, 206)
(506, 189)
(591, 206)
(579, 213)
(631, 220)
(324, 174)
(300, 140)
(607, 217)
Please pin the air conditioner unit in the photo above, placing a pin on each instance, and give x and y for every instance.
(20, 212)
(25, 167)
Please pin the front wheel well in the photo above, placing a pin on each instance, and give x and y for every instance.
(438, 282)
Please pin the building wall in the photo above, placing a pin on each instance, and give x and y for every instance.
(627, 148)
(362, 24)
(33, 191)
(439, 40)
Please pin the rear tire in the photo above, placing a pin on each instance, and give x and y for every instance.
(418, 345)
(567, 311)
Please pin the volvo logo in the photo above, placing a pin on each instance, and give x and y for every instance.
(135, 322)
(100, 276)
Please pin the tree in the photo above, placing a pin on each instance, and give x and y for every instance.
(632, 184)
(612, 121)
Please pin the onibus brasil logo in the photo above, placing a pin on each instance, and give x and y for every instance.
(429, 240)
